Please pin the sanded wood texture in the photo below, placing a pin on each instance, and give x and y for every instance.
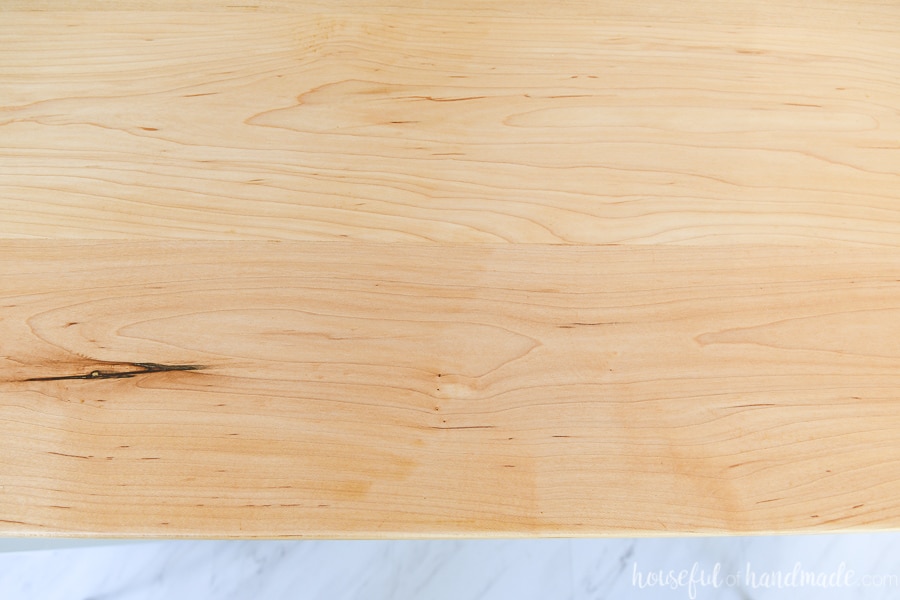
(434, 269)
(716, 122)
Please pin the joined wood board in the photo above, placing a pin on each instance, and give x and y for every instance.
(355, 389)
(368, 269)
(477, 122)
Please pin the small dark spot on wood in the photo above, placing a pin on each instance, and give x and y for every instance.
(814, 516)
(150, 458)
(562, 436)
(509, 466)
(324, 505)
(149, 128)
(769, 500)
(71, 323)
(124, 446)
(467, 427)
(859, 506)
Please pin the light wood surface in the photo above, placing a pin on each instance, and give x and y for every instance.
(354, 389)
(437, 269)
(483, 122)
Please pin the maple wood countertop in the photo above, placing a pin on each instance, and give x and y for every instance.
(356, 268)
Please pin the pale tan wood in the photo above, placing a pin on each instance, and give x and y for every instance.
(341, 268)
(365, 390)
(476, 122)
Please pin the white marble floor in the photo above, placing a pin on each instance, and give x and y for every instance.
(740, 568)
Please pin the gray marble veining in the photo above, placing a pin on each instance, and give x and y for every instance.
(722, 568)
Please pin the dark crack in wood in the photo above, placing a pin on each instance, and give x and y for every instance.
(140, 369)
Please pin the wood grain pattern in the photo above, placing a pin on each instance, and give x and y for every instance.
(363, 268)
(715, 123)
(358, 390)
